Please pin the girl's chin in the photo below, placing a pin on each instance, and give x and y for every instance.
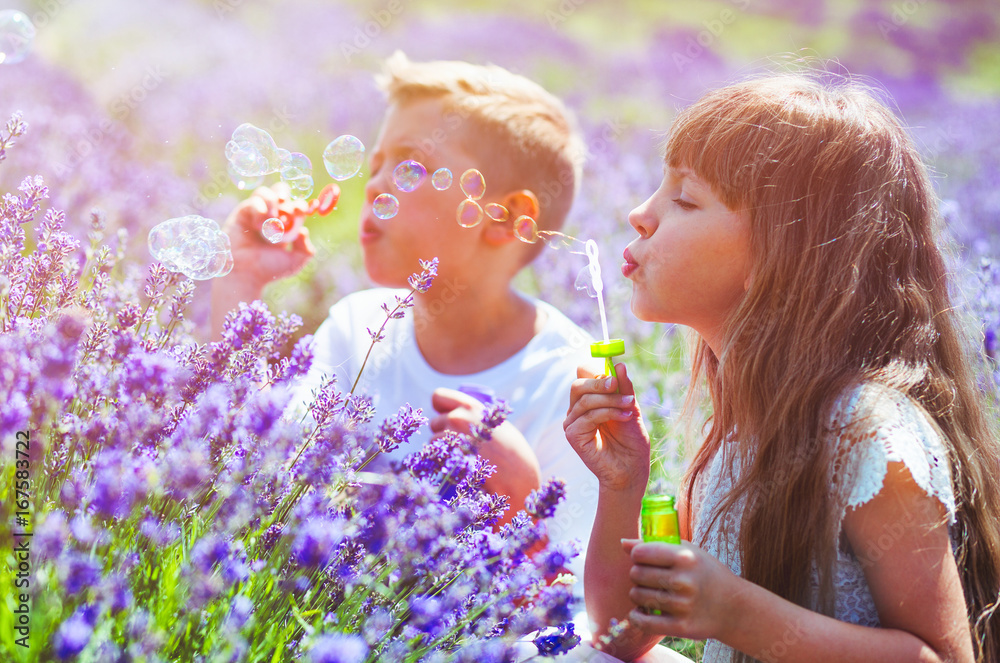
(642, 314)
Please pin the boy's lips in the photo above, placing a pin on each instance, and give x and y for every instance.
(369, 232)
(630, 264)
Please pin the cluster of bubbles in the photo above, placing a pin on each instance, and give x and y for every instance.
(253, 154)
(408, 175)
(17, 34)
(192, 245)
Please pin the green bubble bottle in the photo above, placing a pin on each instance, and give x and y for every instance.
(658, 519)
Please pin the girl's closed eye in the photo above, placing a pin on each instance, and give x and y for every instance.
(684, 204)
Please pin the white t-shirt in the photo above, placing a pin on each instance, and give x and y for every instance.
(535, 383)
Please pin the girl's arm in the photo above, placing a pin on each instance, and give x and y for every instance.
(606, 430)
(903, 544)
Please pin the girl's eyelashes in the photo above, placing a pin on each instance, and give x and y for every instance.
(684, 204)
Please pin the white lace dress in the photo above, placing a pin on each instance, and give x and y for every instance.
(897, 431)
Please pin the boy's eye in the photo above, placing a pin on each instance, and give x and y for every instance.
(683, 204)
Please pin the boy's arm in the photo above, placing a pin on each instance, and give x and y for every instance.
(518, 472)
(257, 262)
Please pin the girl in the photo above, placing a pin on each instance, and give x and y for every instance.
(844, 503)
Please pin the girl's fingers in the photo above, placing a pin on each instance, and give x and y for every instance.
(663, 623)
(660, 554)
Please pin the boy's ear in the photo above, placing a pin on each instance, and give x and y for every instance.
(518, 204)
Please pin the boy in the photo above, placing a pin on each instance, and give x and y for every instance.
(471, 326)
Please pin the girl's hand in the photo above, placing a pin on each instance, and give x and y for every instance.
(692, 590)
(606, 430)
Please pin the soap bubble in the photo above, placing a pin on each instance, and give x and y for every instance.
(525, 229)
(496, 211)
(252, 152)
(585, 282)
(385, 206)
(243, 183)
(343, 157)
(296, 172)
(441, 179)
(273, 230)
(469, 213)
(17, 33)
(192, 245)
(473, 184)
(408, 175)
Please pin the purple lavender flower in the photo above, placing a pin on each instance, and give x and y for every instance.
(338, 648)
(542, 503)
(78, 572)
(559, 642)
(422, 282)
(50, 536)
(316, 541)
(494, 414)
(72, 636)
(398, 429)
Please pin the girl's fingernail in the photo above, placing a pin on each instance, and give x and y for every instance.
(627, 400)
(607, 383)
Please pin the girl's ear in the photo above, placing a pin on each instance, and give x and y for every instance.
(518, 204)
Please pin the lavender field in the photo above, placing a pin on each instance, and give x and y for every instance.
(177, 515)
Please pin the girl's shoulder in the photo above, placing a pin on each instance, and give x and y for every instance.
(872, 425)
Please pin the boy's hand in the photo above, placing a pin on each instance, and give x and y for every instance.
(517, 472)
(606, 430)
(256, 260)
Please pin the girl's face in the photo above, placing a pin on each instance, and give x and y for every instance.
(691, 262)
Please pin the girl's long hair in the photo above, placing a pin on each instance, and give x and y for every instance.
(848, 285)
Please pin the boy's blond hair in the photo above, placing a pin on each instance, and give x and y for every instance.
(523, 135)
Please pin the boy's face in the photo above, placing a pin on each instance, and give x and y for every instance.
(425, 226)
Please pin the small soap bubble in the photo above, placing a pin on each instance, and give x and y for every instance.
(192, 245)
(525, 229)
(441, 179)
(385, 206)
(469, 213)
(473, 184)
(272, 230)
(343, 157)
(296, 172)
(496, 211)
(17, 33)
(409, 175)
(252, 152)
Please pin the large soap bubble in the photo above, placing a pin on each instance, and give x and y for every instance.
(343, 157)
(192, 245)
(17, 34)
(253, 153)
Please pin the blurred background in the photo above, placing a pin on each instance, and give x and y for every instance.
(130, 104)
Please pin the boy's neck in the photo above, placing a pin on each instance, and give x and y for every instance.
(460, 331)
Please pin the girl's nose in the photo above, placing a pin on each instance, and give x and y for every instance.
(642, 219)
